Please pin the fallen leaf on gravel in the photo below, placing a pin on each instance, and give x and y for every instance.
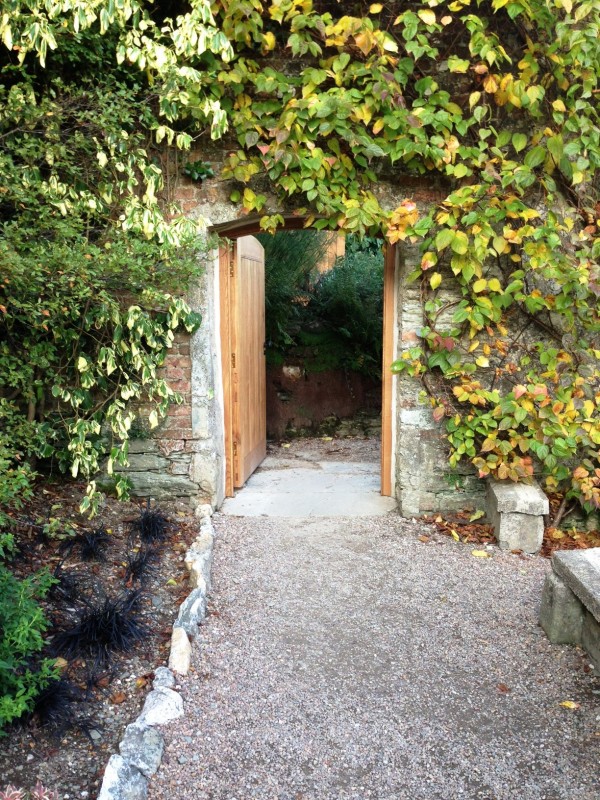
(326, 438)
(171, 582)
(477, 515)
(118, 697)
(61, 663)
(286, 445)
(569, 704)
(502, 687)
(455, 535)
(480, 554)
(424, 539)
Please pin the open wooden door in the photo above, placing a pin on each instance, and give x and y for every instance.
(242, 283)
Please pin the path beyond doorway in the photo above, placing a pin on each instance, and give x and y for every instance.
(314, 478)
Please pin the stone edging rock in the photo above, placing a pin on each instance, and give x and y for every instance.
(140, 751)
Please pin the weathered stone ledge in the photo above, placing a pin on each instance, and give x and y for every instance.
(570, 610)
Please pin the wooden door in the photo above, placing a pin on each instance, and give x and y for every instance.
(242, 278)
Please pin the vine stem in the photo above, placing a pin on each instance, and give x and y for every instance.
(562, 512)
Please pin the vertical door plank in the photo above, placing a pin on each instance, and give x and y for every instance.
(389, 300)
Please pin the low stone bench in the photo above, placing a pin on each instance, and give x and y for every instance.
(570, 612)
(516, 510)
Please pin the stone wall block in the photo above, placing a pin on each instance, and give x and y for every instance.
(142, 462)
(561, 612)
(162, 486)
(142, 446)
(590, 639)
(516, 512)
(169, 446)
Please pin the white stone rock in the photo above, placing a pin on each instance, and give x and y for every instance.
(142, 747)
(204, 510)
(191, 612)
(162, 705)
(163, 677)
(180, 657)
(198, 559)
(122, 781)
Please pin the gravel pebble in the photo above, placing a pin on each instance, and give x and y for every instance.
(344, 658)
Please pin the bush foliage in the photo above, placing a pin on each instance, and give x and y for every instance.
(328, 320)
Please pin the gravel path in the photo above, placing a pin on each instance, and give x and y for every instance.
(345, 658)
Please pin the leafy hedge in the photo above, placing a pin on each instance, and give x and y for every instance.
(331, 320)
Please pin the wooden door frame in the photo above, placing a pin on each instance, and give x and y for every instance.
(388, 422)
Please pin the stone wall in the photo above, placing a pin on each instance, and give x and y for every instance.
(424, 481)
(303, 400)
(185, 456)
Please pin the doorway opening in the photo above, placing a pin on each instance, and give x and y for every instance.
(324, 334)
(301, 345)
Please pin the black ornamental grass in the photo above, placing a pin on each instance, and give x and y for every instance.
(58, 708)
(151, 526)
(91, 545)
(103, 628)
(141, 565)
(66, 586)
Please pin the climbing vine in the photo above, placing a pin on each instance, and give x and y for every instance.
(492, 102)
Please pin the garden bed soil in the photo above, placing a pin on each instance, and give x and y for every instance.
(72, 761)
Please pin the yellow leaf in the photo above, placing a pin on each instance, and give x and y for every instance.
(490, 84)
(269, 41)
(494, 285)
(435, 280)
(376, 8)
(480, 554)
(480, 285)
(286, 445)
(569, 704)
(326, 438)
(171, 582)
(455, 535)
(474, 345)
(499, 244)
(427, 16)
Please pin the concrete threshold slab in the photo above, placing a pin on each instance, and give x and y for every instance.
(328, 489)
